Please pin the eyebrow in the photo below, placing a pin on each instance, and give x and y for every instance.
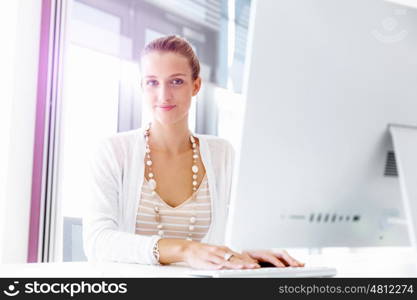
(176, 74)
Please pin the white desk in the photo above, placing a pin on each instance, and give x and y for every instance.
(85, 269)
(370, 263)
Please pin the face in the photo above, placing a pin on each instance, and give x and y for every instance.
(168, 86)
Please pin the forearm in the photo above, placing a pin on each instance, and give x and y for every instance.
(172, 250)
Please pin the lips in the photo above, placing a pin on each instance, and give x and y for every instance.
(166, 107)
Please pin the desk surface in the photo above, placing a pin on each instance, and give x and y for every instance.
(377, 263)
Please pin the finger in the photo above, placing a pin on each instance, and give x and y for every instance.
(235, 254)
(236, 261)
(228, 264)
(208, 265)
(218, 260)
(213, 266)
(301, 264)
(219, 251)
(266, 256)
(247, 257)
(269, 257)
(243, 264)
(207, 262)
(236, 265)
(247, 262)
(288, 259)
(217, 257)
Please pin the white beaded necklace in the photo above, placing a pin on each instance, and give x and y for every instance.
(152, 183)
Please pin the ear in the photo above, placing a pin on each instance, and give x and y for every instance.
(196, 85)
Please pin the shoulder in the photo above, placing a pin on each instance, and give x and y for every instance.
(121, 140)
(118, 145)
(213, 140)
(217, 144)
(124, 137)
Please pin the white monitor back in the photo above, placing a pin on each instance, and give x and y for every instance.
(324, 80)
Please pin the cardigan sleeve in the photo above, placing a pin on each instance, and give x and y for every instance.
(103, 241)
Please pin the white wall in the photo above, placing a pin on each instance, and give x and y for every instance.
(19, 31)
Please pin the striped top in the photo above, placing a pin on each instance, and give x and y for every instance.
(175, 220)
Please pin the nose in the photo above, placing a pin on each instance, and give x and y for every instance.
(165, 93)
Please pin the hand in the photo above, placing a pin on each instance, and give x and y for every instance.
(279, 258)
(203, 256)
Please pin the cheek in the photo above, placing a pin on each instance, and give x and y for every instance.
(150, 97)
(185, 101)
(186, 94)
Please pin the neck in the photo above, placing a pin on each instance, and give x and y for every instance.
(172, 139)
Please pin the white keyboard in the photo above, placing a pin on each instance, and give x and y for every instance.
(268, 272)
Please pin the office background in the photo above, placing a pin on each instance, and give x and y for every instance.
(70, 78)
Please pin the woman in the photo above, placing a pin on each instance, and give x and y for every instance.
(161, 194)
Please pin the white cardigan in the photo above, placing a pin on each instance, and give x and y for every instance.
(109, 221)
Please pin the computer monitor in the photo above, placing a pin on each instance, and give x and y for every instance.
(316, 166)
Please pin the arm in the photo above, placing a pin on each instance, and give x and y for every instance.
(172, 250)
(102, 238)
(201, 256)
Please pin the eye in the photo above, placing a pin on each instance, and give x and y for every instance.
(151, 82)
(177, 81)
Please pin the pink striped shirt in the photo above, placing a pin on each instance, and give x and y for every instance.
(175, 220)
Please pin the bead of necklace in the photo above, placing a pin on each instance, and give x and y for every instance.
(153, 184)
